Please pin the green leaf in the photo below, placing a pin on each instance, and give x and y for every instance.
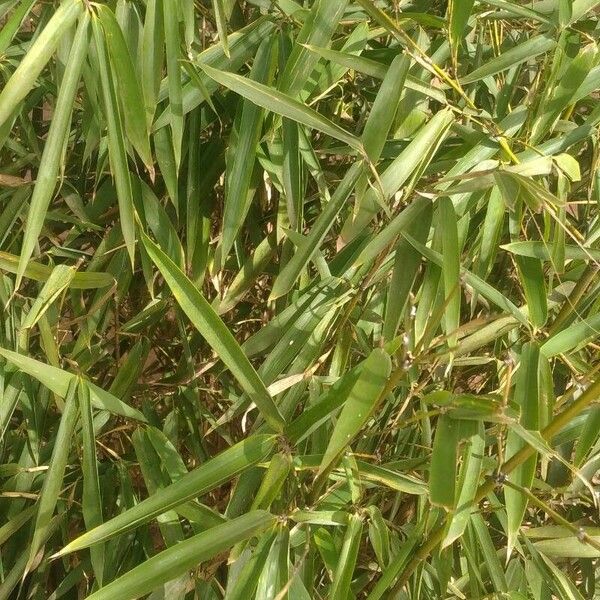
(128, 88)
(179, 559)
(116, 145)
(91, 495)
(175, 106)
(413, 159)
(59, 280)
(541, 250)
(570, 547)
(317, 30)
(532, 279)
(516, 55)
(407, 260)
(275, 572)
(53, 480)
(459, 13)
(279, 468)
(58, 381)
(210, 475)
(450, 269)
(384, 109)
(468, 484)
(208, 323)
(282, 104)
(527, 396)
(444, 463)
(38, 272)
(340, 587)
(14, 23)
(563, 94)
(242, 152)
(243, 585)
(362, 401)
(325, 221)
(36, 58)
(221, 19)
(387, 235)
(152, 57)
(573, 336)
(45, 184)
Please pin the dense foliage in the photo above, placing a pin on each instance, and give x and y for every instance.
(300, 299)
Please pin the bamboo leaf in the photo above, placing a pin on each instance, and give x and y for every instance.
(58, 381)
(459, 13)
(534, 285)
(23, 79)
(53, 481)
(282, 104)
(208, 323)
(192, 485)
(179, 559)
(527, 397)
(49, 165)
(516, 55)
(358, 408)
(241, 154)
(340, 588)
(59, 280)
(117, 154)
(127, 87)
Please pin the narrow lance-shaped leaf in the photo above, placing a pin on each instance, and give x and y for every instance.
(325, 221)
(59, 280)
(152, 56)
(36, 58)
(564, 93)
(566, 340)
(406, 264)
(279, 468)
(383, 113)
(91, 496)
(242, 152)
(282, 104)
(212, 328)
(398, 225)
(221, 19)
(442, 471)
(317, 30)
(526, 395)
(51, 157)
(450, 268)
(242, 584)
(542, 250)
(34, 270)
(377, 70)
(340, 588)
(358, 408)
(11, 26)
(175, 107)
(534, 285)
(459, 13)
(414, 158)
(211, 474)
(53, 480)
(184, 556)
(468, 484)
(116, 145)
(58, 381)
(242, 46)
(275, 572)
(128, 86)
(516, 55)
